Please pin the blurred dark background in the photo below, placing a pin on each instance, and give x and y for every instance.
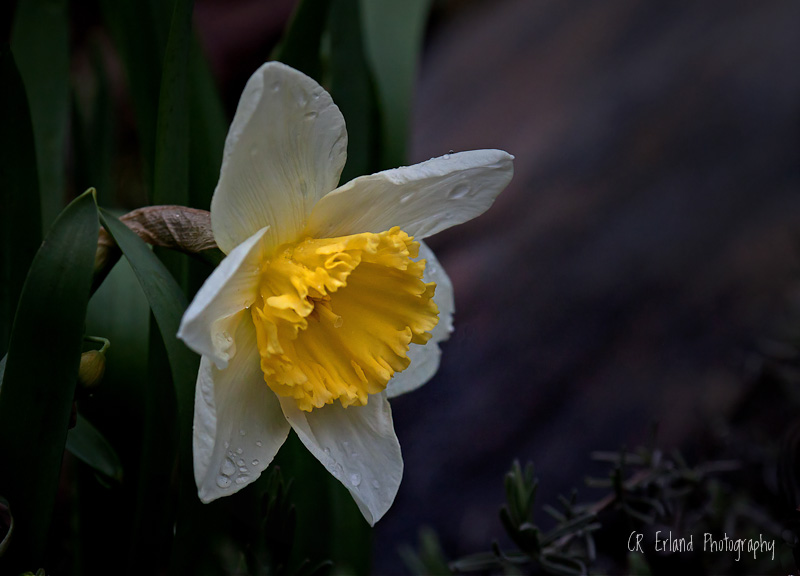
(645, 249)
(643, 256)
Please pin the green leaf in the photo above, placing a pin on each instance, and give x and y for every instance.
(168, 305)
(171, 177)
(20, 221)
(139, 29)
(353, 90)
(88, 445)
(41, 373)
(119, 311)
(300, 47)
(93, 132)
(208, 128)
(41, 47)
(393, 34)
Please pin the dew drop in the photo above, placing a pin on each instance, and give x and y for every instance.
(239, 450)
(242, 432)
(227, 445)
(240, 462)
(255, 462)
(405, 199)
(228, 468)
(338, 322)
(276, 86)
(311, 115)
(243, 469)
(241, 479)
(223, 481)
(327, 451)
(459, 191)
(258, 443)
(376, 484)
(446, 157)
(355, 479)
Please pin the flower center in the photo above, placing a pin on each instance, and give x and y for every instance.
(336, 316)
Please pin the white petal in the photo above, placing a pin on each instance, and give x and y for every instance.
(285, 149)
(211, 319)
(357, 445)
(422, 199)
(238, 422)
(425, 357)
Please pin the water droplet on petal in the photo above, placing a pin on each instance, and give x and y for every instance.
(259, 443)
(243, 469)
(407, 198)
(227, 468)
(227, 445)
(310, 115)
(338, 322)
(223, 481)
(241, 479)
(446, 157)
(242, 432)
(255, 462)
(355, 479)
(240, 462)
(327, 451)
(276, 86)
(239, 450)
(376, 484)
(459, 192)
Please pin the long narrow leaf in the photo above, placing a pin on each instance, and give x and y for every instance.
(87, 444)
(139, 29)
(301, 44)
(40, 375)
(20, 221)
(171, 178)
(41, 47)
(352, 89)
(208, 127)
(168, 304)
(393, 33)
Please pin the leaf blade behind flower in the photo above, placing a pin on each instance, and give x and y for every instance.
(20, 220)
(36, 399)
(41, 47)
(393, 32)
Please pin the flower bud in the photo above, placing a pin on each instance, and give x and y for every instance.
(92, 369)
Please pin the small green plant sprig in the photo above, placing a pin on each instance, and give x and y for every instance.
(646, 486)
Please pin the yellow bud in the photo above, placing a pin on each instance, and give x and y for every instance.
(92, 369)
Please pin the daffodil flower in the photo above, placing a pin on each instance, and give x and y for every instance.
(328, 302)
